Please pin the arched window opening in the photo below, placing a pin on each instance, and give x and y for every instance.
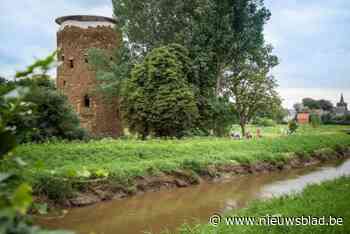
(86, 58)
(64, 83)
(62, 57)
(87, 101)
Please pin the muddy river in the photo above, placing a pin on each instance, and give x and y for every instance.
(156, 211)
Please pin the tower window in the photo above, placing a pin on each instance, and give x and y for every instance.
(86, 58)
(87, 101)
(64, 83)
(62, 57)
(71, 63)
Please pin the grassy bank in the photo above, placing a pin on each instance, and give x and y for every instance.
(123, 160)
(328, 199)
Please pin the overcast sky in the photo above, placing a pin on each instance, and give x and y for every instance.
(311, 38)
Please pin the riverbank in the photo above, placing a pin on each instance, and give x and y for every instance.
(78, 174)
(331, 198)
(169, 209)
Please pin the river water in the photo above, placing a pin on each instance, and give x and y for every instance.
(156, 211)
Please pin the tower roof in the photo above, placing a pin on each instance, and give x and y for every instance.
(85, 18)
(342, 103)
(342, 99)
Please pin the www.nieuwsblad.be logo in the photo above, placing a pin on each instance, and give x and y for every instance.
(275, 220)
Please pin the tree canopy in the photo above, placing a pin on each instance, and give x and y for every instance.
(322, 104)
(159, 99)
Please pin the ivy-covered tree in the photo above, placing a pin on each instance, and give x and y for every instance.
(159, 99)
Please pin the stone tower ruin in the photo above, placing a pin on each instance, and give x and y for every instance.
(75, 76)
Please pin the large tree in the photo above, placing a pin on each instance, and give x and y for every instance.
(326, 105)
(219, 34)
(322, 104)
(253, 88)
(228, 32)
(216, 32)
(310, 103)
(159, 99)
(152, 23)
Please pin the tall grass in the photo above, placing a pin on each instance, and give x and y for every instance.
(328, 199)
(128, 158)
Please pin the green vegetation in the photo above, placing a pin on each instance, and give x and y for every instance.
(16, 193)
(51, 116)
(322, 104)
(122, 160)
(331, 198)
(226, 63)
(292, 126)
(159, 100)
(48, 115)
(315, 120)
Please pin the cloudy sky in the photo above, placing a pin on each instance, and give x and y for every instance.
(310, 37)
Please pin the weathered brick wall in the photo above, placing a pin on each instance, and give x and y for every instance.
(102, 118)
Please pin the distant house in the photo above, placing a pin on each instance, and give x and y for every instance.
(303, 117)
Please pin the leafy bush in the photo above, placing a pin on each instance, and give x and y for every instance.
(55, 189)
(52, 115)
(159, 100)
(327, 118)
(6, 86)
(15, 194)
(292, 127)
(315, 120)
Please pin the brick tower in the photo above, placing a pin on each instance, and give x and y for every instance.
(75, 77)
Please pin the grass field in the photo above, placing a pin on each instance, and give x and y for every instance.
(328, 199)
(129, 158)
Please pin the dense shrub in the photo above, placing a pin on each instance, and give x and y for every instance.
(159, 100)
(292, 127)
(342, 120)
(5, 86)
(55, 189)
(327, 118)
(52, 115)
(16, 193)
(315, 120)
(332, 119)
